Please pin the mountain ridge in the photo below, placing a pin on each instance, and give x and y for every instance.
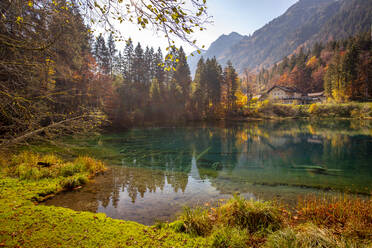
(215, 49)
(303, 24)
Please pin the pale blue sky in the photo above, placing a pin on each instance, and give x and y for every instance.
(245, 16)
(242, 16)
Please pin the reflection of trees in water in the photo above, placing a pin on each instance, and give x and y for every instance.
(296, 142)
(341, 150)
(137, 182)
(281, 149)
(156, 149)
(173, 148)
(336, 146)
(259, 145)
(262, 144)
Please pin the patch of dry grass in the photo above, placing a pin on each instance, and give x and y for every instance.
(347, 216)
(309, 235)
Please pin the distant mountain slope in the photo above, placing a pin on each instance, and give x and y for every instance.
(222, 44)
(302, 24)
(216, 49)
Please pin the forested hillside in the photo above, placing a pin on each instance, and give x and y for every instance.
(303, 24)
(342, 68)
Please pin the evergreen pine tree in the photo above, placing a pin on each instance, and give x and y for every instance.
(128, 61)
(112, 52)
(182, 76)
(231, 82)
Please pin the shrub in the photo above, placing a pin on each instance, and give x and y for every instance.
(178, 226)
(160, 224)
(196, 221)
(335, 110)
(74, 181)
(313, 108)
(284, 110)
(264, 107)
(227, 237)
(268, 108)
(301, 110)
(24, 158)
(28, 173)
(248, 214)
(264, 104)
(366, 110)
(69, 169)
(91, 165)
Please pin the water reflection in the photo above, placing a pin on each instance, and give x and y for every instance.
(156, 171)
(139, 194)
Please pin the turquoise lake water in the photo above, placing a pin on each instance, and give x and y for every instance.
(154, 172)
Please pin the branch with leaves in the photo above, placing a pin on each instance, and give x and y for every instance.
(176, 19)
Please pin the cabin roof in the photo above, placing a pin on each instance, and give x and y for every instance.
(315, 94)
(284, 88)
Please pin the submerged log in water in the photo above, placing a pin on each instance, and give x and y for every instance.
(317, 169)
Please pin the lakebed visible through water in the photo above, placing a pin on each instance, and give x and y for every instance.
(155, 172)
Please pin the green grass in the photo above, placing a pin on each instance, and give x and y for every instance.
(229, 237)
(236, 223)
(24, 223)
(196, 221)
(253, 216)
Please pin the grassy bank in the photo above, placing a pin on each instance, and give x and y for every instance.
(267, 109)
(27, 179)
(316, 223)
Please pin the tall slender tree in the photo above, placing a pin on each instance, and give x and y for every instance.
(128, 61)
(182, 77)
(112, 52)
(231, 84)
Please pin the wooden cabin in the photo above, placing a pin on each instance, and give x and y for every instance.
(290, 95)
(286, 95)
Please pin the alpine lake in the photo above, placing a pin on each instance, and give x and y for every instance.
(154, 172)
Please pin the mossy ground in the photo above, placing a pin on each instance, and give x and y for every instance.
(25, 223)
